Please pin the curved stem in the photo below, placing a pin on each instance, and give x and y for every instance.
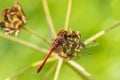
(28, 68)
(50, 71)
(36, 34)
(25, 43)
(68, 14)
(99, 34)
(80, 70)
(48, 17)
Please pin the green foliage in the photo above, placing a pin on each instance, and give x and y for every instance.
(87, 16)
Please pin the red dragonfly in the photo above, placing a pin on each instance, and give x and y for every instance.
(65, 45)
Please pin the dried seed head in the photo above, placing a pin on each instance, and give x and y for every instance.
(14, 19)
(67, 45)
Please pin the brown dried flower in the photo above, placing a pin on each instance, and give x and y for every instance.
(67, 45)
(14, 19)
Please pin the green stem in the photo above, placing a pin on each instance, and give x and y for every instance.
(47, 75)
(80, 70)
(68, 15)
(48, 17)
(60, 62)
(99, 34)
(28, 68)
(25, 43)
(36, 34)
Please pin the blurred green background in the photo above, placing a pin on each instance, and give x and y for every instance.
(87, 16)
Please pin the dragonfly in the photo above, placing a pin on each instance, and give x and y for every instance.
(66, 45)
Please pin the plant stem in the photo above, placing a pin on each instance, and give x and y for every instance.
(80, 70)
(60, 62)
(36, 34)
(68, 14)
(46, 77)
(112, 27)
(99, 34)
(28, 68)
(73, 64)
(48, 17)
(25, 43)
